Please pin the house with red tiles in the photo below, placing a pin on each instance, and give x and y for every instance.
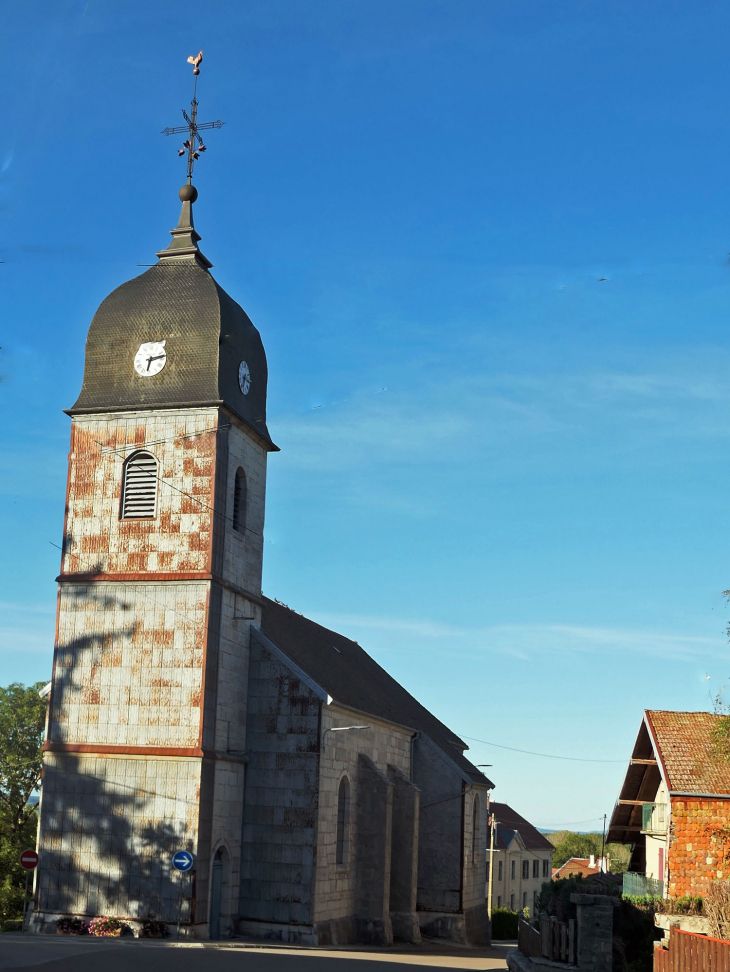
(674, 806)
(579, 867)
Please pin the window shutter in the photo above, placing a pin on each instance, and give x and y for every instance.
(139, 499)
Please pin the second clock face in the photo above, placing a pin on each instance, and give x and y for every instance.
(244, 378)
(150, 359)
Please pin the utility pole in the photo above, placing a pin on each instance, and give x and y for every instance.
(493, 824)
(603, 846)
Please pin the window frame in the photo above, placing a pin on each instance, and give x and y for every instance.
(526, 870)
(129, 463)
(342, 832)
(476, 830)
(239, 512)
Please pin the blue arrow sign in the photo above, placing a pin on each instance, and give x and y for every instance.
(183, 861)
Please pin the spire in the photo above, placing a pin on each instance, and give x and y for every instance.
(184, 246)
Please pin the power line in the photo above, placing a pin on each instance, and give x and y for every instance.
(530, 752)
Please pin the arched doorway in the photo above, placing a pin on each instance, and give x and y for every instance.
(218, 919)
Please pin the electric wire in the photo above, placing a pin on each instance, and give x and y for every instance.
(530, 752)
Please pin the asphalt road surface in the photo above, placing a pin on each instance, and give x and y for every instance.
(51, 954)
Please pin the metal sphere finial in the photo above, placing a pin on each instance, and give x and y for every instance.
(188, 193)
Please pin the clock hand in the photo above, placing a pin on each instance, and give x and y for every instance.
(153, 358)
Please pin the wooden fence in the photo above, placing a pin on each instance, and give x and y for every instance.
(552, 939)
(688, 952)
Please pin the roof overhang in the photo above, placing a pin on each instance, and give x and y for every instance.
(644, 774)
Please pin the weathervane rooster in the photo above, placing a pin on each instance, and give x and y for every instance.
(192, 127)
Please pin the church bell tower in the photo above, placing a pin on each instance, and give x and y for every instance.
(160, 582)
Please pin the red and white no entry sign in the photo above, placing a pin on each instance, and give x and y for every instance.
(29, 860)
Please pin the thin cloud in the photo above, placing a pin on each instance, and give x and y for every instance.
(528, 640)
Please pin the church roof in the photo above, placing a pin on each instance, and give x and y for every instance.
(206, 333)
(353, 678)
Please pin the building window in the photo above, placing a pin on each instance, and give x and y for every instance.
(499, 870)
(534, 902)
(499, 900)
(514, 871)
(525, 870)
(524, 899)
(139, 487)
(343, 821)
(240, 498)
(476, 835)
(512, 902)
(546, 868)
(536, 868)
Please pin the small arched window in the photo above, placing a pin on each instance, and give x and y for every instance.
(240, 496)
(476, 831)
(343, 821)
(139, 487)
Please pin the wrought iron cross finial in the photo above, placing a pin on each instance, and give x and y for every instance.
(192, 128)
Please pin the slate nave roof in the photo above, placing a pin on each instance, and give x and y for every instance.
(354, 679)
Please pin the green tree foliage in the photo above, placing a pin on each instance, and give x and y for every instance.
(569, 844)
(22, 722)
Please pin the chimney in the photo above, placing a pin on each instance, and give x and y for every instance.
(593, 860)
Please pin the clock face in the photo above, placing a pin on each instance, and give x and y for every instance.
(150, 359)
(244, 378)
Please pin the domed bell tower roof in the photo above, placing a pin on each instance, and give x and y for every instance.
(203, 338)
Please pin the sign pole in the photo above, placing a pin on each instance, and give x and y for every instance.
(25, 898)
(182, 861)
(179, 906)
(28, 861)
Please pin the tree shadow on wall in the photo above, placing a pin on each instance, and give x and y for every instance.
(109, 826)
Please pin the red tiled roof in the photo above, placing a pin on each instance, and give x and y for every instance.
(575, 865)
(685, 744)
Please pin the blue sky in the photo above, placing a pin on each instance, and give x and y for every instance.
(491, 239)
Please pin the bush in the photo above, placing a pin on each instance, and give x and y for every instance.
(717, 909)
(504, 923)
(103, 927)
(12, 926)
(72, 926)
(152, 927)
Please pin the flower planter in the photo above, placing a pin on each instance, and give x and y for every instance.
(60, 931)
(153, 935)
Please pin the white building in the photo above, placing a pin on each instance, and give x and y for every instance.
(523, 860)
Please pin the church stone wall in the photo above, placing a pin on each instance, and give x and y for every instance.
(474, 880)
(128, 667)
(440, 844)
(280, 797)
(179, 538)
(243, 552)
(335, 905)
(109, 828)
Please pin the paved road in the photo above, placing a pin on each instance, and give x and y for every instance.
(51, 954)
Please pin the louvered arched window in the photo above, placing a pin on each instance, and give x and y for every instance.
(343, 821)
(240, 497)
(139, 488)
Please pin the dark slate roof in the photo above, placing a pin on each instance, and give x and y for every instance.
(356, 680)
(509, 819)
(503, 838)
(207, 335)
